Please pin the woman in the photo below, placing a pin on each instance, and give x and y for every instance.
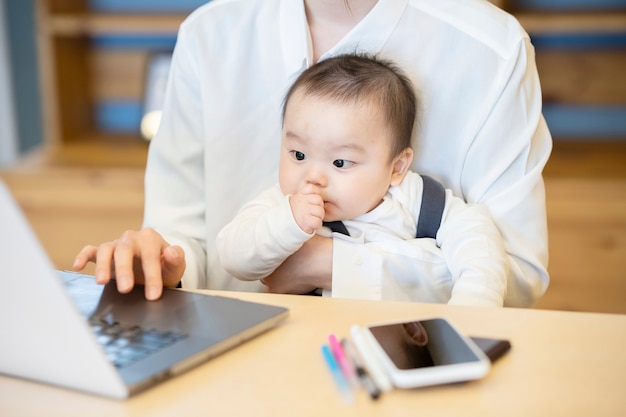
(482, 136)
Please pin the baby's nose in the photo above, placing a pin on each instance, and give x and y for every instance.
(317, 177)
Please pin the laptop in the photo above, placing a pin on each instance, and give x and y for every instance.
(64, 329)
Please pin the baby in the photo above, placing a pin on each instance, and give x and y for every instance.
(345, 171)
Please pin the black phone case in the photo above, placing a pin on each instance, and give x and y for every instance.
(493, 348)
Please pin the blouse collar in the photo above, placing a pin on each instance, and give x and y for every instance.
(369, 35)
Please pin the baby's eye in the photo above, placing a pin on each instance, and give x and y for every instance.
(342, 163)
(299, 156)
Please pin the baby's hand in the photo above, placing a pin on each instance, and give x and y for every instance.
(307, 207)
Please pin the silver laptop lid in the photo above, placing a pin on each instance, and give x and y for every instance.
(43, 336)
(46, 336)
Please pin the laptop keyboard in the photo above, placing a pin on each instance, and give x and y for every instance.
(125, 344)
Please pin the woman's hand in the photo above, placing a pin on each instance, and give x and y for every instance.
(304, 271)
(137, 257)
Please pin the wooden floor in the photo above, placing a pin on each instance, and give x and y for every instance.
(77, 197)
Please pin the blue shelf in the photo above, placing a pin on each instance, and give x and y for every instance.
(584, 122)
(568, 5)
(154, 6)
(143, 42)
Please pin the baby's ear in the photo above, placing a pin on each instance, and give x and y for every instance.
(401, 164)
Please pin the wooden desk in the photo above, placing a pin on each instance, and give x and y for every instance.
(561, 364)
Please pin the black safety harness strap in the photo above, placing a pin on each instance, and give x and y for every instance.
(431, 211)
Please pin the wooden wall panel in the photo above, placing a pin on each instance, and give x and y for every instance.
(583, 77)
(72, 82)
(67, 6)
(118, 74)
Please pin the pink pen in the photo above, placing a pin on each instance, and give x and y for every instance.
(345, 364)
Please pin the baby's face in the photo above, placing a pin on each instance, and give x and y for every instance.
(341, 148)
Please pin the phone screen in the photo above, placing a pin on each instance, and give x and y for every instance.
(420, 344)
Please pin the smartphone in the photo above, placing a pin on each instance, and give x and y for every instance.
(412, 354)
(493, 348)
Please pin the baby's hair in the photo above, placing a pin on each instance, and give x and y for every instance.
(360, 77)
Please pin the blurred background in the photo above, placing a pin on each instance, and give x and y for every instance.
(80, 80)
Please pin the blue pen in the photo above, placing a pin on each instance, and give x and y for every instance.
(340, 380)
